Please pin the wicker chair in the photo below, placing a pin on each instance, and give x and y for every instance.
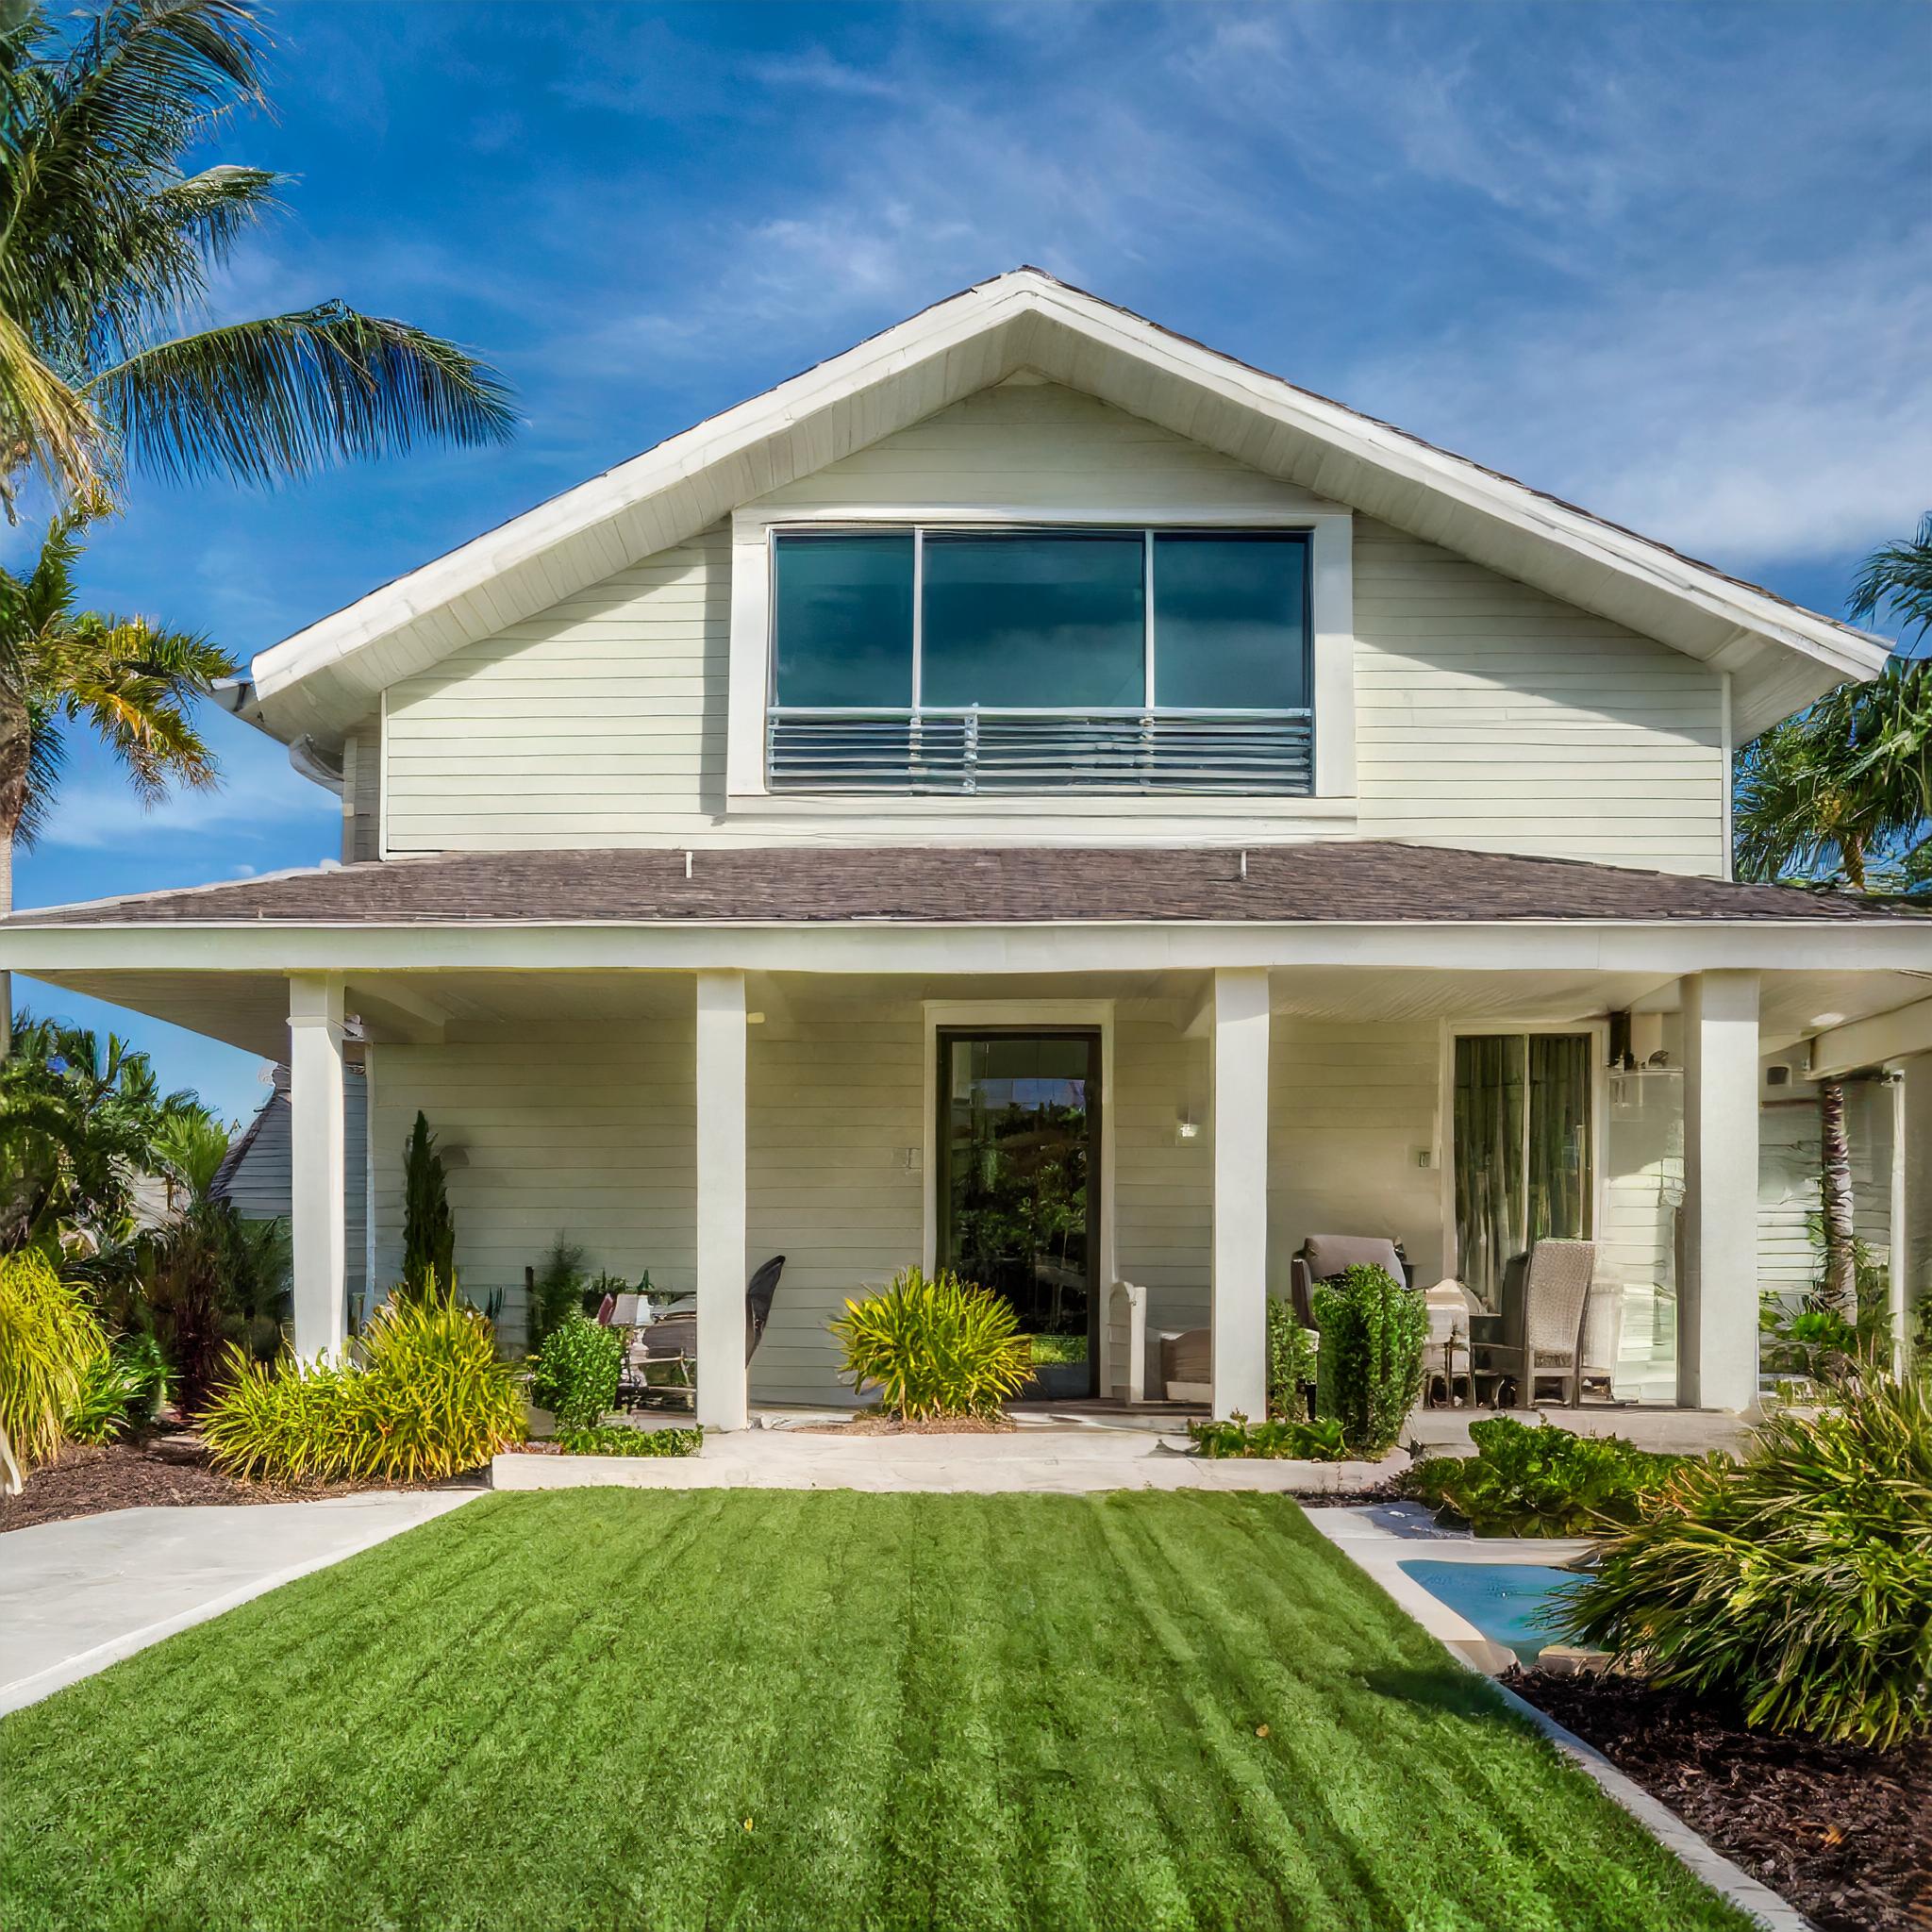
(1543, 1325)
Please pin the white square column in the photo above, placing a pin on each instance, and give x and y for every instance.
(1237, 1267)
(722, 1401)
(317, 1165)
(1911, 1199)
(1717, 1299)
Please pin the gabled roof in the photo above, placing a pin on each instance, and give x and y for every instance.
(1349, 881)
(321, 681)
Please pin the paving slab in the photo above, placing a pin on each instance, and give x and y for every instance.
(79, 1595)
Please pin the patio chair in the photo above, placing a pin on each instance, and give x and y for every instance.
(1544, 1303)
(674, 1341)
(1320, 1256)
(1187, 1365)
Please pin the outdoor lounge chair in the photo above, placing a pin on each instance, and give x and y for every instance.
(1544, 1303)
(1320, 1256)
(674, 1341)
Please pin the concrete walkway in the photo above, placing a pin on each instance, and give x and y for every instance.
(79, 1595)
(1051, 1461)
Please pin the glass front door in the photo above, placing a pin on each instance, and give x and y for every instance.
(1019, 1186)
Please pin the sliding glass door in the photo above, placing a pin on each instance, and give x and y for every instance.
(1524, 1159)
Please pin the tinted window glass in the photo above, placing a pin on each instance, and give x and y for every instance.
(842, 618)
(1034, 619)
(1230, 621)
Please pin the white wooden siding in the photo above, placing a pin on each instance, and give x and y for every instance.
(362, 792)
(587, 1131)
(1492, 717)
(1042, 447)
(1163, 1186)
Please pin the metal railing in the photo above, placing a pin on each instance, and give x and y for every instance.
(974, 750)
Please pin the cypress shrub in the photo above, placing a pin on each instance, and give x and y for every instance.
(1369, 1368)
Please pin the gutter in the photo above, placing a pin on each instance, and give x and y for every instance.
(236, 697)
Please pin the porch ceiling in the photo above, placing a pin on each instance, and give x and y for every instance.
(250, 1009)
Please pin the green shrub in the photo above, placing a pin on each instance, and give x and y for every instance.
(1797, 1582)
(429, 1229)
(424, 1397)
(125, 1389)
(1290, 1362)
(1316, 1441)
(50, 1341)
(576, 1373)
(1370, 1363)
(1541, 1480)
(1059, 1349)
(935, 1347)
(556, 1289)
(622, 1441)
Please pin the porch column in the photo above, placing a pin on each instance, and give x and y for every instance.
(1717, 1299)
(1238, 1261)
(317, 1164)
(721, 1066)
(1911, 1199)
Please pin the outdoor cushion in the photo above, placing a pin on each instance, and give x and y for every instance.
(1334, 1254)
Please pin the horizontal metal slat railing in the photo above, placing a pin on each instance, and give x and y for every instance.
(974, 750)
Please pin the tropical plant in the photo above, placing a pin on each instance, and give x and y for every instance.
(132, 684)
(1277, 1438)
(50, 1340)
(1797, 1582)
(556, 1288)
(619, 1441)
(424, 1395)
(429, 1230)
(577, 1370)
(79, 1117)
(1369, 1369)
(1540, 1480)
(935, 1347)
(1290, 1362)
(125, 1389)
(108, 244)
(212, 1280)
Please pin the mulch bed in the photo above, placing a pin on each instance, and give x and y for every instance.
(167, 1470)
(1385, 1491)
(863, 1425)
(1843, 1833)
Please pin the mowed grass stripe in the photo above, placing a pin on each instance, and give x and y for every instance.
(753, 1709)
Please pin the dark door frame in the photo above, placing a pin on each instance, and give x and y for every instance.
(1093, 1035)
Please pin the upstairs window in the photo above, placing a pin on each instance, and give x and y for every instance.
(1026, 660)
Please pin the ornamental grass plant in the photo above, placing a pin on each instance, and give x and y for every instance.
(1797, 1582)
(424, 1397)
(50, 1343)
(935, 1347)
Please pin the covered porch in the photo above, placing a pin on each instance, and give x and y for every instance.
(697, 1116)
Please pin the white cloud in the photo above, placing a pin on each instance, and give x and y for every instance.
(98, 814)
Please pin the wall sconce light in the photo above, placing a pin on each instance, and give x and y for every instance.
(1187, 1128)
(453, 1155)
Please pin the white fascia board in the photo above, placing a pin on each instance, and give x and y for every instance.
(1901, 1033)
(1840, 650)
(1666, 948)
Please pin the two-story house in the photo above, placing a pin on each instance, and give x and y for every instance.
(1036, 794)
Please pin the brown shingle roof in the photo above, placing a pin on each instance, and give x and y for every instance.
(1339, 882)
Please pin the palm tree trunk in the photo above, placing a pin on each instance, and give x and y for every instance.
(1841, 1261)
(14, 770)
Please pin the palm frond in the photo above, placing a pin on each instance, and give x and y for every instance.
(46, 425)
(136, 685)
(46, 763)
(1898, 576)
(286, 394)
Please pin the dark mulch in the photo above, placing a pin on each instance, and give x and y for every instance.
(1351, 1499)
(1845, 1834)
(167, 1470)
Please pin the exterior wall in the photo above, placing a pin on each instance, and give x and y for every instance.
(362, 792)
(1351, 1106)
(1491, 717)
(587, 1129)
(1488, 715)
(1789, 1160)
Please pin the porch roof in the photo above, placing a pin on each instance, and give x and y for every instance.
(1375, 882)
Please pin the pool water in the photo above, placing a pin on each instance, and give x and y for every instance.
(1512, 1604)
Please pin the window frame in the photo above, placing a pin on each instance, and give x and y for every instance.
(1329, 594)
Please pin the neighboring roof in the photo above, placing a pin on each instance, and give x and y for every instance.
(323, 679)
(1346, 882)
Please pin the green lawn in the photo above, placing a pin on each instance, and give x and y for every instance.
(610, 1708)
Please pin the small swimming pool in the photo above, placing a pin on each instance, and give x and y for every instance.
(1512, 1604)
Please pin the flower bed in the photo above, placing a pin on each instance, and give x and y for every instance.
(1843, 1831)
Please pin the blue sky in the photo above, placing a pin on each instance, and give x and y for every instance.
(1674, 263)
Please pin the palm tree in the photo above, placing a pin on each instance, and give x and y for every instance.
(133, 683)
(1842, 794)
(107, 243)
